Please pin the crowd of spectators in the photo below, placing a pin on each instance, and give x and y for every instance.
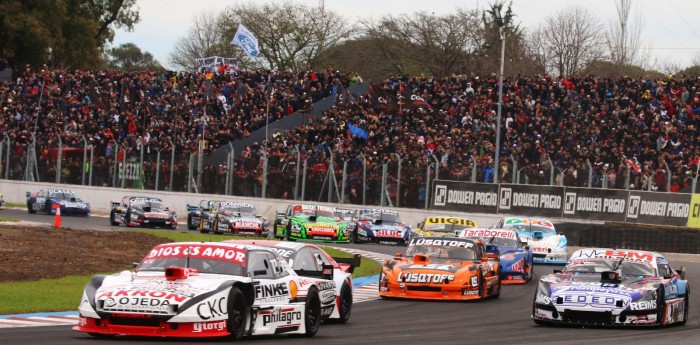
(621, 132)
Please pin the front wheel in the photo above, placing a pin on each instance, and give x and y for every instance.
(287, 232)
(312, 317)
(237, 313)
(112, 219)
(190, 225)
(355, 239)
(201, 226)
(686, 304)
(30, 208)
(660, 306)
(498, 289)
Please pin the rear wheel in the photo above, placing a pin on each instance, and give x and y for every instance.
(201, 226)
(312, 317)
(660, 306)
(344, 305)
(237, 313)
(215, 226)
(686, 303)
(287, 230)
(498, 289)
(190, 225)
(30, 208)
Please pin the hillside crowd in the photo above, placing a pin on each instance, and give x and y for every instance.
(624, 132)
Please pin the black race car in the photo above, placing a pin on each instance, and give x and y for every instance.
(48, 200)
(138, 211)
(238, 218)
(194, 213)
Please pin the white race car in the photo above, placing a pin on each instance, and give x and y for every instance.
(613, 287)
(547, 246)
(206, 289)
(307, 259)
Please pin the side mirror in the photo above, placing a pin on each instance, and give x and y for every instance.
(135, 264)
(167, 208)
(557, 270)
(527, 247)
(398, 256)
(681, 272)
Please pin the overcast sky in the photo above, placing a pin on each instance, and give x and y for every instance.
(670, 29)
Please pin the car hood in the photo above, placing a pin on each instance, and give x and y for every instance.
(150, 292)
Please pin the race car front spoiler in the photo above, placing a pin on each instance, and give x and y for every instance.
(608, 318)
(159, 329)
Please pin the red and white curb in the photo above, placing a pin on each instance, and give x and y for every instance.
(36, 321)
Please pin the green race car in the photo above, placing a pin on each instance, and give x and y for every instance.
(310, 222)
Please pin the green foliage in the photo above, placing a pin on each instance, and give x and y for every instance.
(75, 30)
(607, 69)
(691, 71)
(129, 57)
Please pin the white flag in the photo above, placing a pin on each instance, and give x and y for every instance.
(246, 40)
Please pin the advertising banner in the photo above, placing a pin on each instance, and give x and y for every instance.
(465, 197)
(658, 208)
(694, 213)
(530, 200)
(596, 204)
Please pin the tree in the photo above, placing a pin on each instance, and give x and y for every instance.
(517, 57)
(129, 57)
(624, 36)
(75, 30)
(207, 37)
(290, 36)
(425, 42)
(568, 40)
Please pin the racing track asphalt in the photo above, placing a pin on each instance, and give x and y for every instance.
(502, 321)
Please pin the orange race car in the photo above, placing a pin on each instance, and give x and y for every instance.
(441, 268)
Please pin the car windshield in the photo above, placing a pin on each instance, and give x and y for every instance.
(531, 228)
(441, 227)
(299, 211)
(205, 258)
(62, 195)
(379, 215)
(600, 266)
(237, 210)
(442, 254)
(148, 205)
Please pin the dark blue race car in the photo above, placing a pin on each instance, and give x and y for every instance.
(380, 226)
(514, 257)
(47, 200)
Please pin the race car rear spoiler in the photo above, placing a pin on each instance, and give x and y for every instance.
(349, 264)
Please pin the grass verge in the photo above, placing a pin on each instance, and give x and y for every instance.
(64, 293)
(3, 219)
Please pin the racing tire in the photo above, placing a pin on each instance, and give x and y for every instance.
(201, 226)
(190, 226)
(30, 208)
(312, 316)
(215, 227)
(660, 306)
(498, 289)
(237, 314)
(355, 239)
(287, 232)
(127, 218)
(537, 322)
(686, 301)
(482, 287)
(344, 305)
(112, 219)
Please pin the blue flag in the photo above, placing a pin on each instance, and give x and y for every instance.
(246, 40)
(357, 131)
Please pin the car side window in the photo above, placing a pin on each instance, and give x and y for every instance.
(278, 268)
(259, 265)
(320, 256)
(665, 270)
(305, 260)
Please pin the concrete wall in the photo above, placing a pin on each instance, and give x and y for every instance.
(100, 197)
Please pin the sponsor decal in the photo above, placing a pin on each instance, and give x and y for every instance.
(468, 197)
(285, 316)
(271, 290)
(284, 252)
(629, 255)
(326, 285)
(542, 299)
(488, 233)
(597, 288)
(518, 266)
(429, 278)
(162, 295)
(474, 280)
(388, 233)
(527, 221)
(433, 267)
(323, 229)
(135, 303)
(643, 305)
(212, 308)
(327, 297)
(235, 204)
(633, 208)
(440, 242)
(596, 299)
(156, 215)
(438, 222)
(317, 208)
(510, 199)
(199, 327)
(246, 225)
(469, 292)
(226, 253)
